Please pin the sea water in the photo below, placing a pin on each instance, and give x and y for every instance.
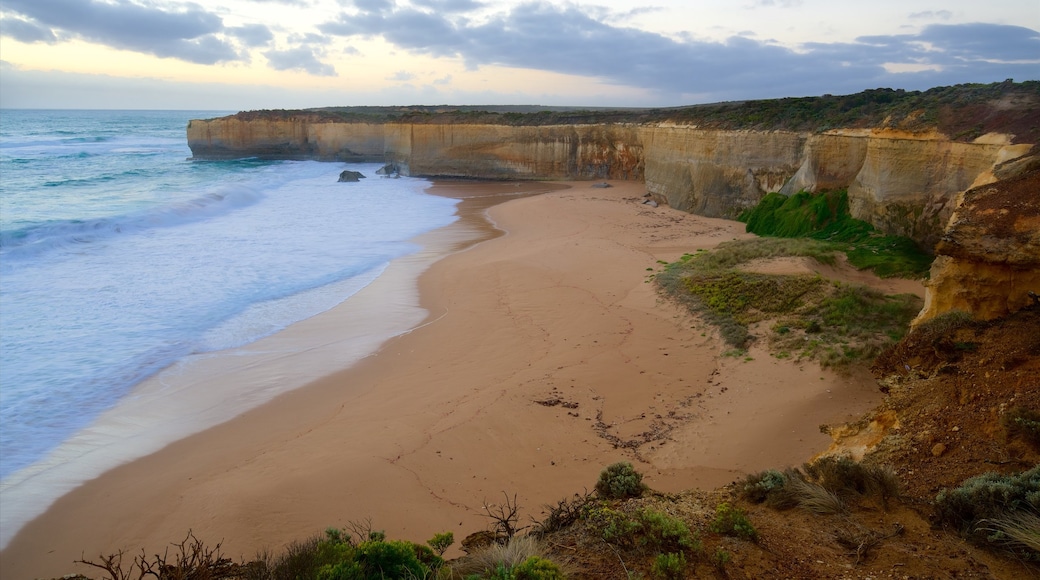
(121, 256)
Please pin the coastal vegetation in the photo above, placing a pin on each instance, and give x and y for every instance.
(801, 315)
(662, 536)
(824, 216)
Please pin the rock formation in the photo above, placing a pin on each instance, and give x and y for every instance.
(904, 171)
(350, 176)
(988, 260)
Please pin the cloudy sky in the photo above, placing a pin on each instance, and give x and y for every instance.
(255, 54)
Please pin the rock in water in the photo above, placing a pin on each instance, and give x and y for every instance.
(348, 175)
(388, 169)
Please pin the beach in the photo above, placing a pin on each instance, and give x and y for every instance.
(545, 355)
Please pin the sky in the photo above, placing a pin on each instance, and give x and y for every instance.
(283, 54)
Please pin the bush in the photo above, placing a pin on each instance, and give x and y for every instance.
(974, 507)
(521, 558)
(441, 542)
(731, 521)
(665, 532)
(669, 566)
(619, 481)
(842, 475)
(537, 568)
(821, 487)
(614, 526)
(759, 487)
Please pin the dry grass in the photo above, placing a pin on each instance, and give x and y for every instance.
(507, 555)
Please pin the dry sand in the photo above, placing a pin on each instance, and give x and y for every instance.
(546, 356)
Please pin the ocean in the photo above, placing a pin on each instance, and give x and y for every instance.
(122, 258)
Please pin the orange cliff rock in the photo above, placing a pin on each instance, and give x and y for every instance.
(988, 259)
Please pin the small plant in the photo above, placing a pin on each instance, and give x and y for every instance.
(537, 568)
(614, 526)
(1023, 423)
(732, 521)
(521, 558)
(669, 566)
(760, 487)
(720, 558)
(665, 532)
(505, 518)
(191, 558)
(619, 481)
(564, 513)
(441, 542)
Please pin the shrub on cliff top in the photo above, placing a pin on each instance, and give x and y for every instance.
(619, 481)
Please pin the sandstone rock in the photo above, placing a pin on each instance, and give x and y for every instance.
(989, 257)
(938, 449)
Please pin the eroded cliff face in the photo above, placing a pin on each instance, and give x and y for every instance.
(506, 152)
(298, 138)
(903, 183)
(989, 257)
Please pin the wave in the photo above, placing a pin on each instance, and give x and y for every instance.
(37, 239)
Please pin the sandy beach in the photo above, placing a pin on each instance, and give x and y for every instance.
(546, 355)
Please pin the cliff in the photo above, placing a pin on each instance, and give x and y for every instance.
(988, 260)
(904, 157)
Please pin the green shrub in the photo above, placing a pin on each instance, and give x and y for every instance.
(619, 481)
(441, 542)
(759, 487)
(537, 568)
(665, 532)
(614, 526)
(971, 508)
(732, 521)
(390, 559)
(669, 566)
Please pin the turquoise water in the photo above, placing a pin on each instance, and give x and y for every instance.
(119, 256)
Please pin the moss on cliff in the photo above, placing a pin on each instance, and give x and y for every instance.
(825, 216)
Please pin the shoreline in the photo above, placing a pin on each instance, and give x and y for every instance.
(460, 410)
(203, 390)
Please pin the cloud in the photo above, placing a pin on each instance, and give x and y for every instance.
(932, 15)
(301, 58)
(773, 3)
(252, 35)
(188, 33)
(401, 76)
(286, 2)
(450, 6)
(27, 32)
(570, 40)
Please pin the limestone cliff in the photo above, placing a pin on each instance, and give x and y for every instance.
(902, 183)
(989, 258)
(905, 157)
